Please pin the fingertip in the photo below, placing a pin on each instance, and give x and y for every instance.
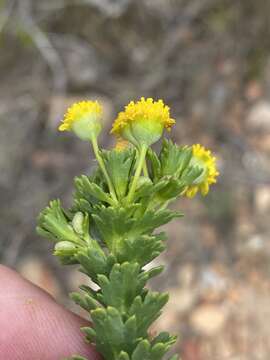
(35, 326)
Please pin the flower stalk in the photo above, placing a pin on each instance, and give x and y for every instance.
(141, 164)
(103, 168)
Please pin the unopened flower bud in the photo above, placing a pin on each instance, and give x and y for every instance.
(77, 223)
(64, 246)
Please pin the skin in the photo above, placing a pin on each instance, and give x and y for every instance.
(33, 326)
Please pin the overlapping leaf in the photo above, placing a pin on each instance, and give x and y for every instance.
(119, 165)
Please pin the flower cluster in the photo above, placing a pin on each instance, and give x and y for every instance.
(142, 123)
(110, 230)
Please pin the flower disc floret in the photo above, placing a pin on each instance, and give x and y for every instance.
(143, 121)
(84, 119)
(204, 159)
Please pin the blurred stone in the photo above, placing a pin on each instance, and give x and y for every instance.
(213, 285)
(253, 90)
(208, 319)
(256, 243)
(262, 199)
(209, 235)
(259, 116)
(185, 275)
(264, 144)
(182, 300)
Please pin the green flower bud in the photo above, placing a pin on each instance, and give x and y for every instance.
(78, 222)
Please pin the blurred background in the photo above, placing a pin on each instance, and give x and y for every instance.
(210, 62)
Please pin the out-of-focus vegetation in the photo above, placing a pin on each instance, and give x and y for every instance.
(209, 60)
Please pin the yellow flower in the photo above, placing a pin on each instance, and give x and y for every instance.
(143, 122)
(204, 159)
(84, 119)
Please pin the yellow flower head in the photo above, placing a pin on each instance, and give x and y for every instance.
(84, 119)
(143, 121)
(203, 158)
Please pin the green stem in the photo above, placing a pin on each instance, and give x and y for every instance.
(142, 154)
(145, 170)
(103, 169)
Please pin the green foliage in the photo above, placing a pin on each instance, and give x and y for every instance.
(119, 165)
(113, 239)
(172, 171)
(141, 249)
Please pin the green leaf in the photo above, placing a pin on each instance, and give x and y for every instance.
(153, 219)
(85, 301)
(91, 192)
(174, 159)
(158, 351)
(54, 224)
(161, 344)
(90, 334)
(93, 260)
(131, 329)
(121, 287)
(88, 290)
(113, 223)
(148, 351)
(165, 338)
(154, 164)
(147, 310)
(148, 274)
(142, 351)
(174, 187)
(120, 227)
(190, 175)
(148, 190)
(113, 335)
(142, 249)
(119, 165)
(123, 356)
